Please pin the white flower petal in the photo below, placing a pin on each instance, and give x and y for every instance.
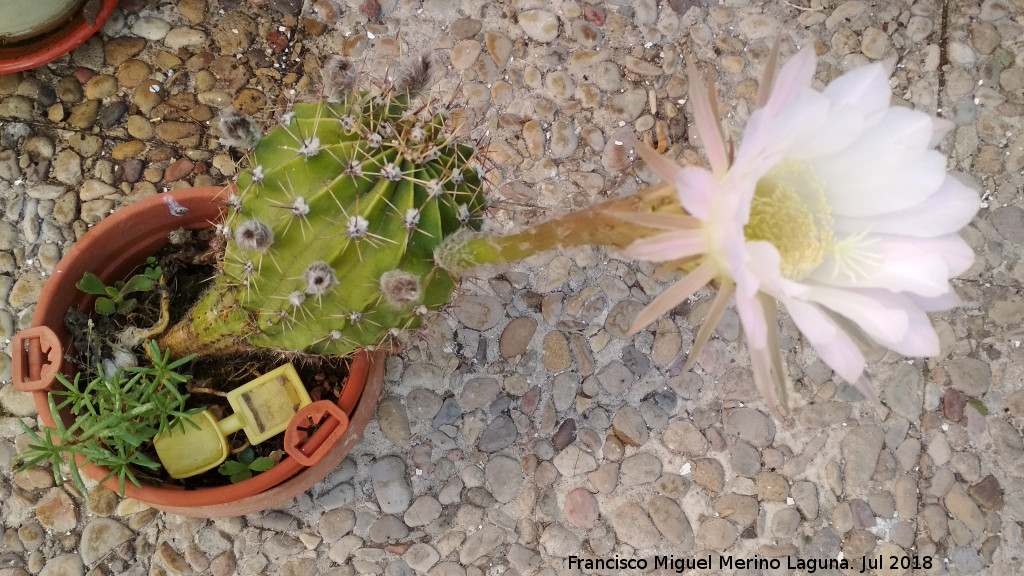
(889, 168)
(882, 320)
(865, 89)
(949, 209)
(833, 346)
(901, 264)
(696, 186)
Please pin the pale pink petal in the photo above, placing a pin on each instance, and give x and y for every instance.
(696, 186)
(675, 295)
(901, 264)
(708, 125)
(889, 168)
(884, 320)
(668, 246)
(658, 220)
(765, 380)
(865, 89)
(795, 75)
(833, 346)
(949, 209)
(751, 315)
(935, 303)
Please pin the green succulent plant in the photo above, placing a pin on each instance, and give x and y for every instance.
(331, 231)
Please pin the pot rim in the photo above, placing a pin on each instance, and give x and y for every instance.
(43, 49)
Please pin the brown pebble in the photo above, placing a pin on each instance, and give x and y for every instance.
(133, 72)
(178, 170)
(119, 50)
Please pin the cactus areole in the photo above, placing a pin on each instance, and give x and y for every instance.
(332, 229)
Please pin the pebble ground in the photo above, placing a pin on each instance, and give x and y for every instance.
(521, 427)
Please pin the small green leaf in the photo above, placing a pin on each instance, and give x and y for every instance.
(262, 464)
(127, 306)
(137, 284)
(105, 306)
(979, 406)
(241, 476)
(232, 467)
(91, 284)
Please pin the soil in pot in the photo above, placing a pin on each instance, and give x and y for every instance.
(188, 262)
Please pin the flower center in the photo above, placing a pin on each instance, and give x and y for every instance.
(789, 211)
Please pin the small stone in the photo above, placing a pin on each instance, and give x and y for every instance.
(573, 461)
(563, 141)
(101, 536)
(581, 509)
(110, 115)
(63, 565)
(336, 523)
(183, 133)
(423, 511)
(101, 501)
(516, 337)
(499, 434)
(235, 33)
(193, 10)
(709, 474)
(504, 478)
(630, 427)
(962, 508)
(55, 511)
(83, 115)
(119, 50)
(969, 375)
(394, 421)
(16, 108)
(988, 493)
(874, 43)
(739, 509)
(184, 37)
(751, 425)
(151, 28)
(388, 529)
(421, 557)
(634, 527)
(478, 312)
(556, 356)
(172, 559)
(481, 543)
(465, 54)
(100, 87)
(390, 485)
(539, 25)
(716, 533)
(671, 521)
(860, 448)
(684, 438)
(640, 468)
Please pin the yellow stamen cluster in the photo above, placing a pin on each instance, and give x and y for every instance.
(789, 211)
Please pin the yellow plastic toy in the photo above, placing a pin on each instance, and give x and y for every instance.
(262, 408)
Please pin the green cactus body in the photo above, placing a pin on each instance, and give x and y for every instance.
(333, 230)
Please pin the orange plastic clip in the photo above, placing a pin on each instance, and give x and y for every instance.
(37, 358)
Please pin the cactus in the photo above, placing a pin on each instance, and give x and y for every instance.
(331, 231)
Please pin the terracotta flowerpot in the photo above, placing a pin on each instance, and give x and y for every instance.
(111, 250)
(33, 49)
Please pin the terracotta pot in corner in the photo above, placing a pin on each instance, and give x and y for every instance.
(67, 31)
(111, 250)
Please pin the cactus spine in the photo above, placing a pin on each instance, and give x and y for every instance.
(332, 230)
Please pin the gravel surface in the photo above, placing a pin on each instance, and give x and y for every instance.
(522, 429)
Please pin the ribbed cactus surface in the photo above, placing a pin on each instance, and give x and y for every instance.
(331, 233)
